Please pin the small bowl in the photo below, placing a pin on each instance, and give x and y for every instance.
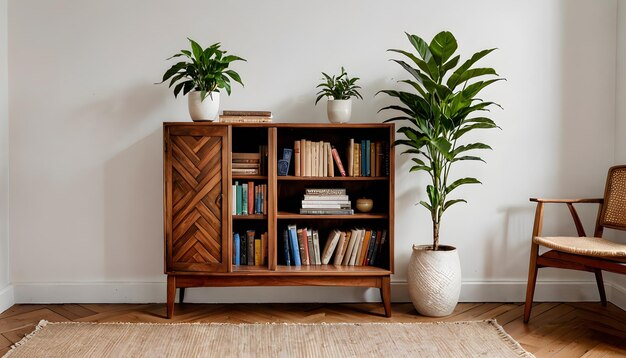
(364, 205)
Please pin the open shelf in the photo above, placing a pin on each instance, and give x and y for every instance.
(335, 178)
(249, 177)
(246, 268)
(250, 217)
(288, 215)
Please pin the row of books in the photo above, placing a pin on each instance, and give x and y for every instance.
(230, 116)
(249, 198)
(367, 158)
(250, 249)
(326, 201)
(315, 159)
(364, 158)
(356, 247)
(250, 163)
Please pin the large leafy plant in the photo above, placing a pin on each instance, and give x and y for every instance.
(439, 111)
(203, 70)
(338, 87)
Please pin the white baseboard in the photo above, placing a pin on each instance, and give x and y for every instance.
(7, 298)
(150, 292)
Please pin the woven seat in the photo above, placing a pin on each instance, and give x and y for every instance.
(583, 253)
(587, 246)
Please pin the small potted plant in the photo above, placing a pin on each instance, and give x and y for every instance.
(339, 90)
(439, 111)
(201, 74)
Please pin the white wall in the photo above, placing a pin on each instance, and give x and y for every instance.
(6, 291)
(85, 151)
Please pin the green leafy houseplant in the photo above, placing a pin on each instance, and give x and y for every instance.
(338, 87)
(203, 70)
(440, 111)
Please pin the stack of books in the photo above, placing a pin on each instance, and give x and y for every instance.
(246, 163)
(326, 202)
(249, 198)
(315, 159)
(249, 249)
(230, 116)
(367, 158)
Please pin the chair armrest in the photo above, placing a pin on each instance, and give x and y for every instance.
(567, 201)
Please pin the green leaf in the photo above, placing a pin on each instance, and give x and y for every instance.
(472, 146)
(419, 62)
(399, 108)
(468, 157)
(426, 205)
(453, 81)
(469, 128)
(475, 72)
(421, 46)
(450, 65)
(461, 181)
(443, 146)
(197, 49)
(418, 161)
(449, 203)
(443, 47)
(234, 75)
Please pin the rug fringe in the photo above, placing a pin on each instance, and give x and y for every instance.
(22, 341)
(517, 348)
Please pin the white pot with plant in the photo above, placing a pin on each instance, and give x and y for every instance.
(201, 75)
(439, 113)
(339, 91)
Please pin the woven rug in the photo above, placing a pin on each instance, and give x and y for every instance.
(459, 339)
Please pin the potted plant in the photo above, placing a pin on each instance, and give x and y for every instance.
(202, 73)
(339, 90)
(440, 109)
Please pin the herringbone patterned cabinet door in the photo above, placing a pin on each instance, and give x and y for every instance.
(195, 236)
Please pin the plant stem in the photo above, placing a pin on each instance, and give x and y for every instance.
(435, 235)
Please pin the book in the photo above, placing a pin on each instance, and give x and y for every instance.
(325, 191)
(302, 158)
(293, 245)
(364, 247)
(357, 159)
(338, 161)
(237, 165)
(324, 202)
(376, 248)
(303, 246)
(342, 244)
(310, 249)
(263, 159)
(331, 244)
(311, 211)
(250, 197)
(350, 156)
(325, 206)
(244, 249)
(296, 153)
(236, 249)
(370, 248)
(307, 158)
(263, 248)
(316, 247)
(244, 119)
(379, 159)
(258, 253)
(233, 202)
(244, 200)
(245, 171)
(239, 198)
(372, 159)
(314, 159)
(231, 112)
(246, 156)
(329, 160)
(286, 250)
(250, 241)
(353, 239)
(357, 248)
(324, 159)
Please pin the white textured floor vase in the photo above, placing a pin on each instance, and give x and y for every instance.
(460, 339)
(434, 280)
(203, 110)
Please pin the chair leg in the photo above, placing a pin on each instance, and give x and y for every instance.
(600, 283)
(532, 281)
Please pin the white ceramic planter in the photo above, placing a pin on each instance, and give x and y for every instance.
(339, 110)
(434, 280)
(203, 110)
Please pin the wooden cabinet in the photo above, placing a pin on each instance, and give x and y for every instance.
(198, 209)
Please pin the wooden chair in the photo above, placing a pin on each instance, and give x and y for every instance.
(592, 254)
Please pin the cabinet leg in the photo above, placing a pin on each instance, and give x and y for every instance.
(385, 294)
(171, 295)
(181, 295)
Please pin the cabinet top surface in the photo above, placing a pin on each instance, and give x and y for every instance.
(285, 125)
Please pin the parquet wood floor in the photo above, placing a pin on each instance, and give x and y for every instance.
(555, 330)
